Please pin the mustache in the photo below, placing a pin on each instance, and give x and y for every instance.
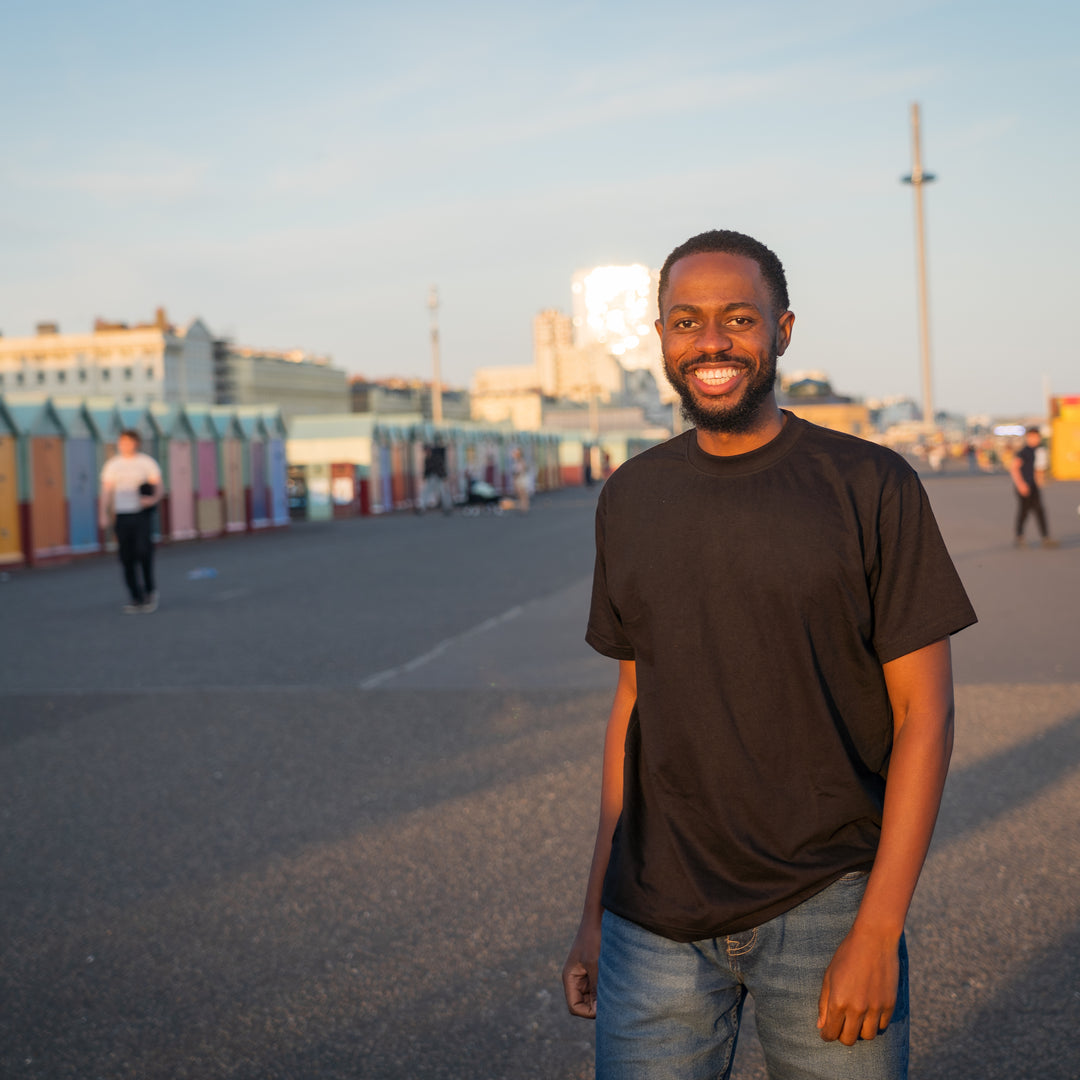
(703, 358)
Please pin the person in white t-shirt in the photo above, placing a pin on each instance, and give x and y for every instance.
(130, 488)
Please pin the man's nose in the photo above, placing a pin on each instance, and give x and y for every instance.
(713, 338)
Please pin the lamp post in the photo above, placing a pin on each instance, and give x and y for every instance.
(916, 180)
(436, 379)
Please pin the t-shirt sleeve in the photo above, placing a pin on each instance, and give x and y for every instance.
(918, 595)
(153, 472)
(605, 631)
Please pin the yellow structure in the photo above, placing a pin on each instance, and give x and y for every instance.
(1065, 437)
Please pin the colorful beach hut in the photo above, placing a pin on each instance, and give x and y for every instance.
(10, 533)
(108, 423)
(209, 512)
(344, 443)
(176, 458)
(42, 499)
(276, 466)
(81, 474)
(230, 444)
(256, 494)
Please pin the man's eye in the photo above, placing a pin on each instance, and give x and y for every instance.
(683, 324)
(742, 320)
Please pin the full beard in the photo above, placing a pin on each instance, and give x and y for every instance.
(729, 419)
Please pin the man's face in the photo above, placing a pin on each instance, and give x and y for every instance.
(1033, 438)
(127, 446)
(721, 336)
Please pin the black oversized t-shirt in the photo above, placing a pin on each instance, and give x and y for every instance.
(759, 596)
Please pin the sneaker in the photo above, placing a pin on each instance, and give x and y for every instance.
(149, 605)
(1049, 542)
(132, 609)
(1019, 542)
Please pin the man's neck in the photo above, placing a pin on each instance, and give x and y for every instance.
(769, 424)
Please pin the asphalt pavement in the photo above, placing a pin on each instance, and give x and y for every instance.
(327, 813)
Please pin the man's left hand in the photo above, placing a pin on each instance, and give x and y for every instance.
(858, 993)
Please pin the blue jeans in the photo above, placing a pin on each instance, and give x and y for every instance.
(670, 1011)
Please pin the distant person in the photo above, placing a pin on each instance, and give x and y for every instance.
(519, 469)
(436, 487)
(1028, 472)
(130, 489)
(780, 601)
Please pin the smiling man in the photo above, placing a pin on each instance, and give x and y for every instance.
(780, 602)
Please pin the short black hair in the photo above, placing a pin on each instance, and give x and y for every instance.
(131, 433)
(729, 242)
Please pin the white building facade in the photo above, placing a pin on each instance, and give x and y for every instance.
(136, 365)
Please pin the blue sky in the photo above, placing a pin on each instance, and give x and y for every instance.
(299, 175)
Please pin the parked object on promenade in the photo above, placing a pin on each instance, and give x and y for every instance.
(131, 485)
(1028, 472)
(482, 497)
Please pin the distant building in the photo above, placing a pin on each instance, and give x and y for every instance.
(298, 382)
(893, 411)
(810, 395)
(133, 365)
(607, 354)
(405, 397)
(511, 395)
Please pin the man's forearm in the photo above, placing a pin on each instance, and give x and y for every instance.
(921, 693)
(917, 771)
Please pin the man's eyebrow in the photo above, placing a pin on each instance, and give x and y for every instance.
(693, 309)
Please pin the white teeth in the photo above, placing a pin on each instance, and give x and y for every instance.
(716, 375)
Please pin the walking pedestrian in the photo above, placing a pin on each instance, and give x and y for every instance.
(1028, 472)
(130, 488)
(780, 602)
(522, 478)
(436, 486)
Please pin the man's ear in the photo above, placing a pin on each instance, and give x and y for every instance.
(783, 332)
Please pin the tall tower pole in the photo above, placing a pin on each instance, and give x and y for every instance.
(436, 378)
(916, 180)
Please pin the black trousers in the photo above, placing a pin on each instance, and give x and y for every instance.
(1030, 504)
(136, 552)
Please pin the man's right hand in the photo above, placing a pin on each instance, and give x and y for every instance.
(579, 971)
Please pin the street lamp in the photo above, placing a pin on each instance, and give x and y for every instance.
(916, 180)
(436, 380)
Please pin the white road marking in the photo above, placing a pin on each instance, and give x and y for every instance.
(419, 661)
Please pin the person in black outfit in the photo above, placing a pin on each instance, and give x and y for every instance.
(435, 479)
(780, 601)
(1028, 473)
